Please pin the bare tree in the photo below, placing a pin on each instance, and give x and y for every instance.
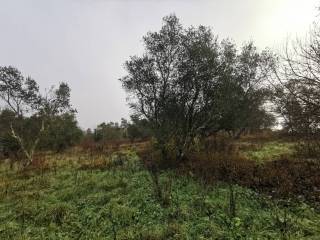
(297, 87)
(298, 75)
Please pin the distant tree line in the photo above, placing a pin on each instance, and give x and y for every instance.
(135, 130)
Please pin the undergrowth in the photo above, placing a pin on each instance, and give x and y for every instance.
(116, 199)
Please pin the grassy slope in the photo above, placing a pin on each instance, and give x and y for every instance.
(94, 204)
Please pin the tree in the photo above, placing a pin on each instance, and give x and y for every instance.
(242, 90)
(138, 129)
(8, 145)
(61, 133)
(183, 83)
(108, 132)
(18, 93)
(33, 111)
(173, 82)
(297, 85)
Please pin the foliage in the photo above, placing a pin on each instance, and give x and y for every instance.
(62, 133)
(242, 91)
(108, 132)
(32, 112)
(18, 93)
(138, 129)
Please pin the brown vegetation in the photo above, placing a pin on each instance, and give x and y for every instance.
(220, 161)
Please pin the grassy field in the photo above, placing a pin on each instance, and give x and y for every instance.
(77, 196)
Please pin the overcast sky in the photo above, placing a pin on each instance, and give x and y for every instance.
(86, 42)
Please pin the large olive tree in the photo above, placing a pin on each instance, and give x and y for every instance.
(187, 84)
(172, 84)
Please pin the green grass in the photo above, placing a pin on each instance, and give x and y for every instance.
(270, 151)
(120, 203)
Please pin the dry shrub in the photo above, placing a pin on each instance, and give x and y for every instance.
(152, 157)
(283, 178)
(260, 135)
(308, 149)
(154, 163)
(12, 158)
(107, 161)
(220, 161)
(39, 164)
(97, 164)
(291, 177)
(93, 148)
(107, 147)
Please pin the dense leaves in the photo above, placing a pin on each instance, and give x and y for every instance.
(187, 84)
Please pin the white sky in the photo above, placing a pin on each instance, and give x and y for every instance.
(86, 42)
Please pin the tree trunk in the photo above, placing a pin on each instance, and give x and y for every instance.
(29, 153)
